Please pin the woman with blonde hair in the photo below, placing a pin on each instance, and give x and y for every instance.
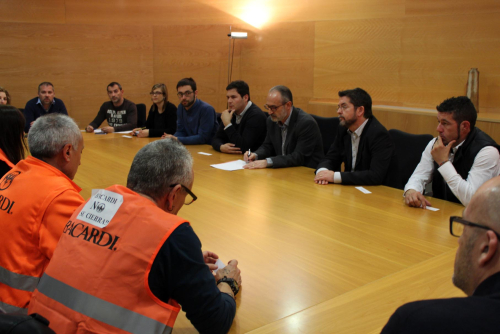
(4, 96)
(162, 116)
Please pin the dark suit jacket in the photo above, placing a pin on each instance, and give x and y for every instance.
(249, 134)
(474, 315)
(303, 145)
(376, 155)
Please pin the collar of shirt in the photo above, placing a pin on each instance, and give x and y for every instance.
(357, 133)
(40, 102)
(285, 125)
(240, 116)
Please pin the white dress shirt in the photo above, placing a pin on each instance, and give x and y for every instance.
(485, 167)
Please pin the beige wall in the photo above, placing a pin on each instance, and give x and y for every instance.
(411, 53)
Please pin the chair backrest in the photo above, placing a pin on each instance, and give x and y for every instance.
(409, 150)
(328, 127)
(141, 115)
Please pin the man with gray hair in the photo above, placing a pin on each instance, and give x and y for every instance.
(293, 137)
(137, 260)
(476, 273)
(37, 197)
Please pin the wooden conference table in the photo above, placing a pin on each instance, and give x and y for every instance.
(314, 259)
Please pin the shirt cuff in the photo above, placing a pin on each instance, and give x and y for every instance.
(337, 178)
(269, 162)
(228, 126)
(321, 169)
(447, 170)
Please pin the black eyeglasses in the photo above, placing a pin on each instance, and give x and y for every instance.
(189, 199)
(180, 94)
(273, 108)
(457, 225)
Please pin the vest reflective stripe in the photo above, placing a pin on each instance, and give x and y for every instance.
(13, 309)
(18, 281)
(99, 309)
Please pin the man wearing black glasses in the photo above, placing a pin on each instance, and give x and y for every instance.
(477, 274)
(196, 120)
(126, 260)
(293, 137)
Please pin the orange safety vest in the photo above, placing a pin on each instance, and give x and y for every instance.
(97, 280)
(4, 158)
(25, 193)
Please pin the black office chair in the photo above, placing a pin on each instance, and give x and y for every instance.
(141, 115)
(24, 324)
(328, 127)
(409, 150)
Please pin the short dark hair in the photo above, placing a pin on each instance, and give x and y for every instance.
(12, 140)
(114, 83)
(461, 108)
(187, 82)
(286, 94)
(45, 83)
(241, 87)
(360, 98)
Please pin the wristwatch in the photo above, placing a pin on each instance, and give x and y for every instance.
(232, 283)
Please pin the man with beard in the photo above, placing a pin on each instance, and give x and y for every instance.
(120, 113)
(243, 124)
(458, 161)
(44, 104)
(362, 144)
(477, 274)
(196, 120)
(293, 137)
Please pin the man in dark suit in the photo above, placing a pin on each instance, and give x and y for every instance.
(477, 274)
(243, 124)
(293, 137)
(362, 144)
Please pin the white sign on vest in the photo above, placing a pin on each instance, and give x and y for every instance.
(101, 207)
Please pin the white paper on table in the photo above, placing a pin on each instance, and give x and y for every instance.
(99, 132)
(231, 165)
(219, 265)
(203, 153)
(127, 136)
(363, 190)
(431, 208)
(127, 132)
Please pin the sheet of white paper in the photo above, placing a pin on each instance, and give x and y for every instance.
(431, 208)
(219, 264)
(203, 153)
(363, 190)
(127, 136)
(230, 166)
(127, 132)
(98, 132)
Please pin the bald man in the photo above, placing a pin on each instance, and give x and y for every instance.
(477, 274)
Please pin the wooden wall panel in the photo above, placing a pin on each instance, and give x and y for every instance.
(79, 60)
(451, 7)
(282, 54)
(200, 52)
(358, 53)
(438, 53)
(33, 11)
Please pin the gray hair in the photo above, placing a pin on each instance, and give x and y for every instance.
(50, 133)
(285, 92)
(158, 165)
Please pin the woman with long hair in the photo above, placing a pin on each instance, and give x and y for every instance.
(12, 143)
(162, 116)
(4, 96)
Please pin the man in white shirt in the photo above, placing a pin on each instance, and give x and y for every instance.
(458, 161)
